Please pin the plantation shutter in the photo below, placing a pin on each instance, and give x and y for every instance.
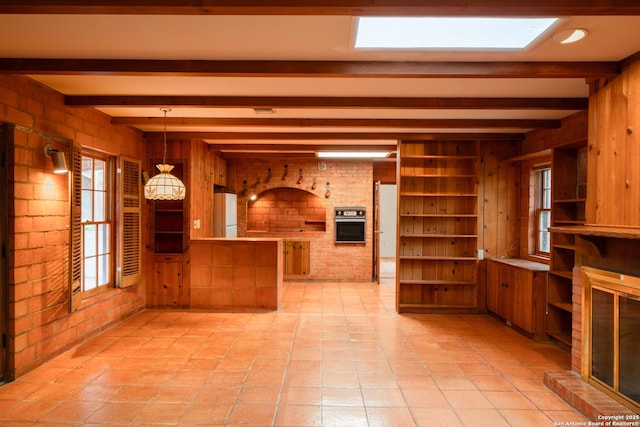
(75, 245)
(129, 220)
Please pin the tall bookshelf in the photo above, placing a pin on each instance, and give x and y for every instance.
(437, 227)
(568, 192)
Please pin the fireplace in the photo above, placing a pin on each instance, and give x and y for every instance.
(611, 334)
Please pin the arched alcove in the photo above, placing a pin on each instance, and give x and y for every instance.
(286, 209)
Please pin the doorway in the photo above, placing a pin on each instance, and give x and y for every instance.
(388, 225)
(4, 272)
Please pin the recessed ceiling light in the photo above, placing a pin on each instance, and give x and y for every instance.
(449, 32)
(571, 35)
(353, 154)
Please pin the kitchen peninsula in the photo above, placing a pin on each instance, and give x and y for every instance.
(236, 274)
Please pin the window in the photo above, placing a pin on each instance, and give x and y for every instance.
(94, 215)
(97, 227)
(543, 208)
(471, 33)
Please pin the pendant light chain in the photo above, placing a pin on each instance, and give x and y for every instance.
(164, 154)
(164, 186)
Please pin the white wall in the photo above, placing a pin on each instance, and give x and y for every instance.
(388, 219)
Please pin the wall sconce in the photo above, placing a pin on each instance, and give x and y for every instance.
(327, 194)
(268, 178)
(58, 159)
(314, 185)
(286, 172)
(300, 177)
(245, 189)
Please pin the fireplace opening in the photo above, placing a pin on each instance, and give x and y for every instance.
(612, 325)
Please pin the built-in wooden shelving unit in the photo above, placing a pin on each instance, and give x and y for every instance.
(568, 192)
(437, 227)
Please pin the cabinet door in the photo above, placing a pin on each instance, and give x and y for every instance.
(296, 258)
(493, 286)
(220, 166)
(523, 300)
(167, 281)
(505, 293)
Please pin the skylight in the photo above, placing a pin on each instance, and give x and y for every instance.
(449, 33)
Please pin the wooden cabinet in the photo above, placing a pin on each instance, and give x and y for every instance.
(568, 192)
(297, 258)
(516, 293)
(168, 281)
(220, 171)
(437, 226)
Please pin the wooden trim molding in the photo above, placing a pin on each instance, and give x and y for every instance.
(327, 102)
(324, 69)
(334, 122)
(318, 7)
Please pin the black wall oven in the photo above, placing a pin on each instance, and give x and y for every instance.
(350, 224)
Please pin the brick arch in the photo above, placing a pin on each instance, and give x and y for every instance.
(286, 209)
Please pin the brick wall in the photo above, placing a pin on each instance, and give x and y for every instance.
(350, 184)
(40, 325)
(287, 210)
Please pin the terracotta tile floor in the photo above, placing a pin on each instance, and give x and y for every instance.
(335, 354)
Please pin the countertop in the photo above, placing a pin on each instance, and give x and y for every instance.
(236, 239)
(522, 263)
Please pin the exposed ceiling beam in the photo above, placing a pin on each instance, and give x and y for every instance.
(323, 7)
(248, 137)
(314, 122)
(299, 147)
(328, 102)
(324, 69)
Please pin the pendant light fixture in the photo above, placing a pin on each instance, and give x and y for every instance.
(164, 186)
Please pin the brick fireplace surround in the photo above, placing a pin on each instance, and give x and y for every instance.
(569, 385)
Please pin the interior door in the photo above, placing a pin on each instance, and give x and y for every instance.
(376, 232)
(4, 272)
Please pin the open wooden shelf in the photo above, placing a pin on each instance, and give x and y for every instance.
(564, 337)
(437, 227)
(565, 274)
(569, 188)
(440, 236)
(437, 282)
(436, 215)
(566, 306)
(440, 157)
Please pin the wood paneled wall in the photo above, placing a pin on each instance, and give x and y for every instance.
(573, 130)
(499, 191)
(201, 173)
(613, 180)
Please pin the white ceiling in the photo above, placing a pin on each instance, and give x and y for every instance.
(294, 38)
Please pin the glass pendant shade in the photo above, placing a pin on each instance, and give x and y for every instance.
(164, 186)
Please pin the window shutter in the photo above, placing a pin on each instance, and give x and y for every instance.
(129, 222)
(75, 246)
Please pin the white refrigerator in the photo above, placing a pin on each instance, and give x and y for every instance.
(225, 215)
